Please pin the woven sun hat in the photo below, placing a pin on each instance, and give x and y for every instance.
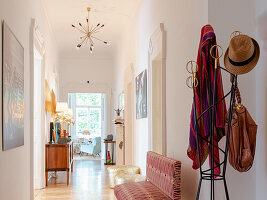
(242, 54)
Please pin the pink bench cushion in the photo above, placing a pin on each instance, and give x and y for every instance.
(164, 173)
(138, 191)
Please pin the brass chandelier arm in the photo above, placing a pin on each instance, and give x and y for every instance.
(86, 40)
(82, 27)
(99, 39)
(83, 36)
(91, 41)
(95, 32)
(93, 29)
(88, 26)
(97, 28)
(79, 29)
(80, 44)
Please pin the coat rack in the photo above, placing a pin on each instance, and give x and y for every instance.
(192, 82)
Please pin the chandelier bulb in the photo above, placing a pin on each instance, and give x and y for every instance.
(73, 26)
(102, 25)
(80, 24)
(87, 20)
(106, 43)
(98, 24)
(78, 46)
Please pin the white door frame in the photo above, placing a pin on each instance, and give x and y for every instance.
(157, 45)
(36, 42)
(129, 78)
(78, 87)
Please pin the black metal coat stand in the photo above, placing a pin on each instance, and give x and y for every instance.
(209, 173)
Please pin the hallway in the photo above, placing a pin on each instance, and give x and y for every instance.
(89, 180)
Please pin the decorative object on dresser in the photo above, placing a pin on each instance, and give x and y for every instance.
(164, 181)
(112, 143)
(119, 119)
(64, 115)
(58, 157)
(13, 90)
(109, 137)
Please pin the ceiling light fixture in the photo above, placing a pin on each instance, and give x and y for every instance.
(88, 33)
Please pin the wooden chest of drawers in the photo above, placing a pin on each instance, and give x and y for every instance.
(58, 157)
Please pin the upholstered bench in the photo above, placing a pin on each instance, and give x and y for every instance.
(164, 181)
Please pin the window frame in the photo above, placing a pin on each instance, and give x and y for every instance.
(73, 104)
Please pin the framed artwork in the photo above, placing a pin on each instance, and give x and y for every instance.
(141, 95)
(13, 90)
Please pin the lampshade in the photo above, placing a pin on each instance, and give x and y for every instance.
(86, 132)
(62, 107)
(54, 102)
(69, 112)
(48, 98)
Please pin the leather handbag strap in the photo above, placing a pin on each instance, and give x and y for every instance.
(238, 96)
(237, 93)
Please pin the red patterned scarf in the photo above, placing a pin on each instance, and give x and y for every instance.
(203, 98)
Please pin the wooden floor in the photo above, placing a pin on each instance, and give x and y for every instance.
(89, 181)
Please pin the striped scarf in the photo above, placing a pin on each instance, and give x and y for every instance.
(203, 98)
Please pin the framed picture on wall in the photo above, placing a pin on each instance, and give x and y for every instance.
(141, 95)
(13, 90)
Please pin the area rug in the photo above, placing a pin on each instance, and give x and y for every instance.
(86, 157)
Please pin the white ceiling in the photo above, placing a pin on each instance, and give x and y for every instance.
(113, 13)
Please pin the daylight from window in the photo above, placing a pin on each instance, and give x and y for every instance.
(87, 109)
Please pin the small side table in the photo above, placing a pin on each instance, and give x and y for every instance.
(112, 143)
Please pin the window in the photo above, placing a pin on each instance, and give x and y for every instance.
(88, 113)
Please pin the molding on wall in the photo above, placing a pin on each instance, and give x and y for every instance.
(129, 114)
(157, 45)
(36, 41)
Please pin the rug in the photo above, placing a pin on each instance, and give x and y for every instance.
(86, 157)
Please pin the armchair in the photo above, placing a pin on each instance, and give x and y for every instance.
(92, 148)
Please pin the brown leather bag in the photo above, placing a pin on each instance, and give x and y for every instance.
(242, 140)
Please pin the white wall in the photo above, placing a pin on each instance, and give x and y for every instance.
(183, 21)
(261, 103)
(15, 164)
(225, 17)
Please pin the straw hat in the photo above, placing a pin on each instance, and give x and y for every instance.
(242, 54)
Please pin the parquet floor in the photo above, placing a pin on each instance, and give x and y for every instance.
(89, 181)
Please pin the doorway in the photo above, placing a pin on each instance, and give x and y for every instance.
(157, 120)
(89, 111)
(38, 137)
(157, 91)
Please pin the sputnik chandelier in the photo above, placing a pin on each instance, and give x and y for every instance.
(89, 33)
